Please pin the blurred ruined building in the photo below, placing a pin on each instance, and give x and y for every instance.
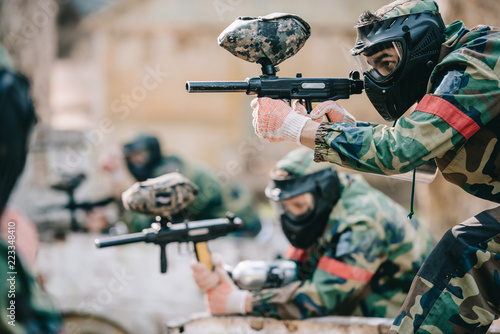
(122, 68)
(103, 70)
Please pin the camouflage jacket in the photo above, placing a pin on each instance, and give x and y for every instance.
(215, 197)
(209, 202)
(456, 123)
(362, 265)
(24, 307)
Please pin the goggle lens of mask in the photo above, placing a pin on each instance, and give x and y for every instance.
(381, 60)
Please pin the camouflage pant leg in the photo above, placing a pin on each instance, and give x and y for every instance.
(457, 290)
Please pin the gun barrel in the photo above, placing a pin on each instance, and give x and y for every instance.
(120, 240)
(216, 86)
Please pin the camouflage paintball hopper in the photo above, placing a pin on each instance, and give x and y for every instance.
(276, 36)
(164, 196)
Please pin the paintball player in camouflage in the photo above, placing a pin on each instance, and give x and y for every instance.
(145, 160)
(409, 56)
(355, 249)
(24, 307)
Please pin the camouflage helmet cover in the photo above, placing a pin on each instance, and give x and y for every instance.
(392, 10)
(300, 174)
(303, 175)
(416, 30)
(405, 7)
(276, 36)
(301, 162)
(164, 196)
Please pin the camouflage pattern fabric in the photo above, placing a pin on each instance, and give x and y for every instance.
(165, 195)
(456, 123)
(276, 36)
(362, 265)
(215, 197)
(405, 7)
(34, 311)
(209, 203)
(299, 162)
(464, 295)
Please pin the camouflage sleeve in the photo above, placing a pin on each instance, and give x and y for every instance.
(341, 274)
(465, 95)
(136, 222)
(209, 203)
(441, 122)
(382, 149)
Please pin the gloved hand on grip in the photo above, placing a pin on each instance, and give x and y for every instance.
(331, 109)
(223, 296)
(205, 279)
(276, 121)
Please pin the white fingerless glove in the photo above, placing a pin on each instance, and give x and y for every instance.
(225, 297)
(334, 112)
(236, 300)
(276, 121)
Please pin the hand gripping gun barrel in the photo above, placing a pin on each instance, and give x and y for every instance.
(269, 40)
(166, 197)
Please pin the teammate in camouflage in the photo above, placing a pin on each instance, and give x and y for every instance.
(456, 123)
(360, 262)
(164, 195)
(279, 36)
(145, 160)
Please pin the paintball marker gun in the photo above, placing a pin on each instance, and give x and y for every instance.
(166, 197)
(68, 184)
(268, 40)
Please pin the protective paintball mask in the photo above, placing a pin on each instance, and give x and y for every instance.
(150, 147)
(396, 57)
(322, 189)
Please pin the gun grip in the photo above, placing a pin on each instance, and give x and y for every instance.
(203, 254)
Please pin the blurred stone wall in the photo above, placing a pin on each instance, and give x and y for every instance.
(147, 50)
(127, 69)
(28, 32)
(472, 12)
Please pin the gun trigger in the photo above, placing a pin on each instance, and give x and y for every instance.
(182, 250)
(309, 106)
